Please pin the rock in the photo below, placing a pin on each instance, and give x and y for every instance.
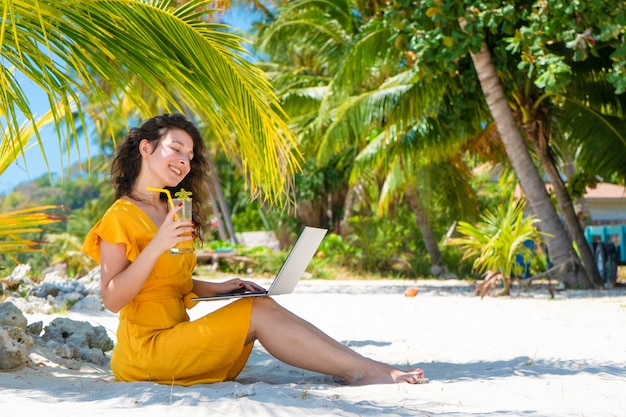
(88, 303)
(54, 284)
(58, 268)
(12, 352)
(64, 337)
(35, 328)
(20, 336)
(81, 339)
(54, 292)
(63, 351)
(18, 276)
(10, 315)
(91, 281)
(32, 305)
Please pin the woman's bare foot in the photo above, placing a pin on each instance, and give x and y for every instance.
(385, 374)
(413, 376)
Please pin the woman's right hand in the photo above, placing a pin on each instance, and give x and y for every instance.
(172, 232)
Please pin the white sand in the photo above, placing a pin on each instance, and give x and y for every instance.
(525, 355)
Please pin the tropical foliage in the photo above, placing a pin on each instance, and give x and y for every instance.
(358, 107)
(499, 240)
(394, 105)
(69, 48)
(448, 53)
(524, 55)
(16, 226)
(99, 49)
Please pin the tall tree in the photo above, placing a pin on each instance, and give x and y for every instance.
(561, 250)
(65, 47)
(349, 85)
(518, 35)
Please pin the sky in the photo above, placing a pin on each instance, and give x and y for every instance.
(33, 165)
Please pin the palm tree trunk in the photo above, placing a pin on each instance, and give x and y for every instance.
(348, 201)
(215, 188)
(567, 211)
(412, 196)
(221, 229)
(561, 250)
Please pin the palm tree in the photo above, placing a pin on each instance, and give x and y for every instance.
(561, 250)
(516, 36)
(120, 52)
(497, 239)
(560, 125)
(346, 86)
(538, 114)
(302, 73)
(66, 48)
(17, 226)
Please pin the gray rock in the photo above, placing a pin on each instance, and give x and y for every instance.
(58, 268)
(64, 337)
(20, 336)
(18, 275)
(86, 339)
(10, 315)
(55, 292)
(12, 352)
(32, 305)
(35, 328)
(91, 281)
(53, 285)
(88, 303)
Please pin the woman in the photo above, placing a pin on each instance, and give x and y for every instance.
(151, 288)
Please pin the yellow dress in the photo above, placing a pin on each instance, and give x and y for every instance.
(156, 341)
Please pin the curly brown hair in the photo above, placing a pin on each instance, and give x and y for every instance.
(127, 162)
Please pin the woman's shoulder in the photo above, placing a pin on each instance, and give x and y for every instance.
(122, 213)
(122, 207)
(122, 223)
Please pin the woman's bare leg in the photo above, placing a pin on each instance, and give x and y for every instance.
(298, 343)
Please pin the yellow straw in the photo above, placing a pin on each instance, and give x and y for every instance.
(167, 192)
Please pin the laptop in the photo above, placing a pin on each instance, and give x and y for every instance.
(290, 272)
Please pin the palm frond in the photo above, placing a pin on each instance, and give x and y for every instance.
(497, 238)
(367, 61)
(355, 117)
(186, 61)
(393, 187)
(316, 29)
(600, 139)
(16, 225)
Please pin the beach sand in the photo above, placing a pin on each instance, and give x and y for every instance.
(524, 355)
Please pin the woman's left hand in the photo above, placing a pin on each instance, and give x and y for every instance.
(238, 285)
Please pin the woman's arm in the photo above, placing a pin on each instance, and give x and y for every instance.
(120, 279)
(207, 289)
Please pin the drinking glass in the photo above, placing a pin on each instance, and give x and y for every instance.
(183, 214)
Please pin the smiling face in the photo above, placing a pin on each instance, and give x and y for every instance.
(169, 162)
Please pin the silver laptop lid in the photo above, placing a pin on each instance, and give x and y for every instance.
(297, 261)
(290, 272)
